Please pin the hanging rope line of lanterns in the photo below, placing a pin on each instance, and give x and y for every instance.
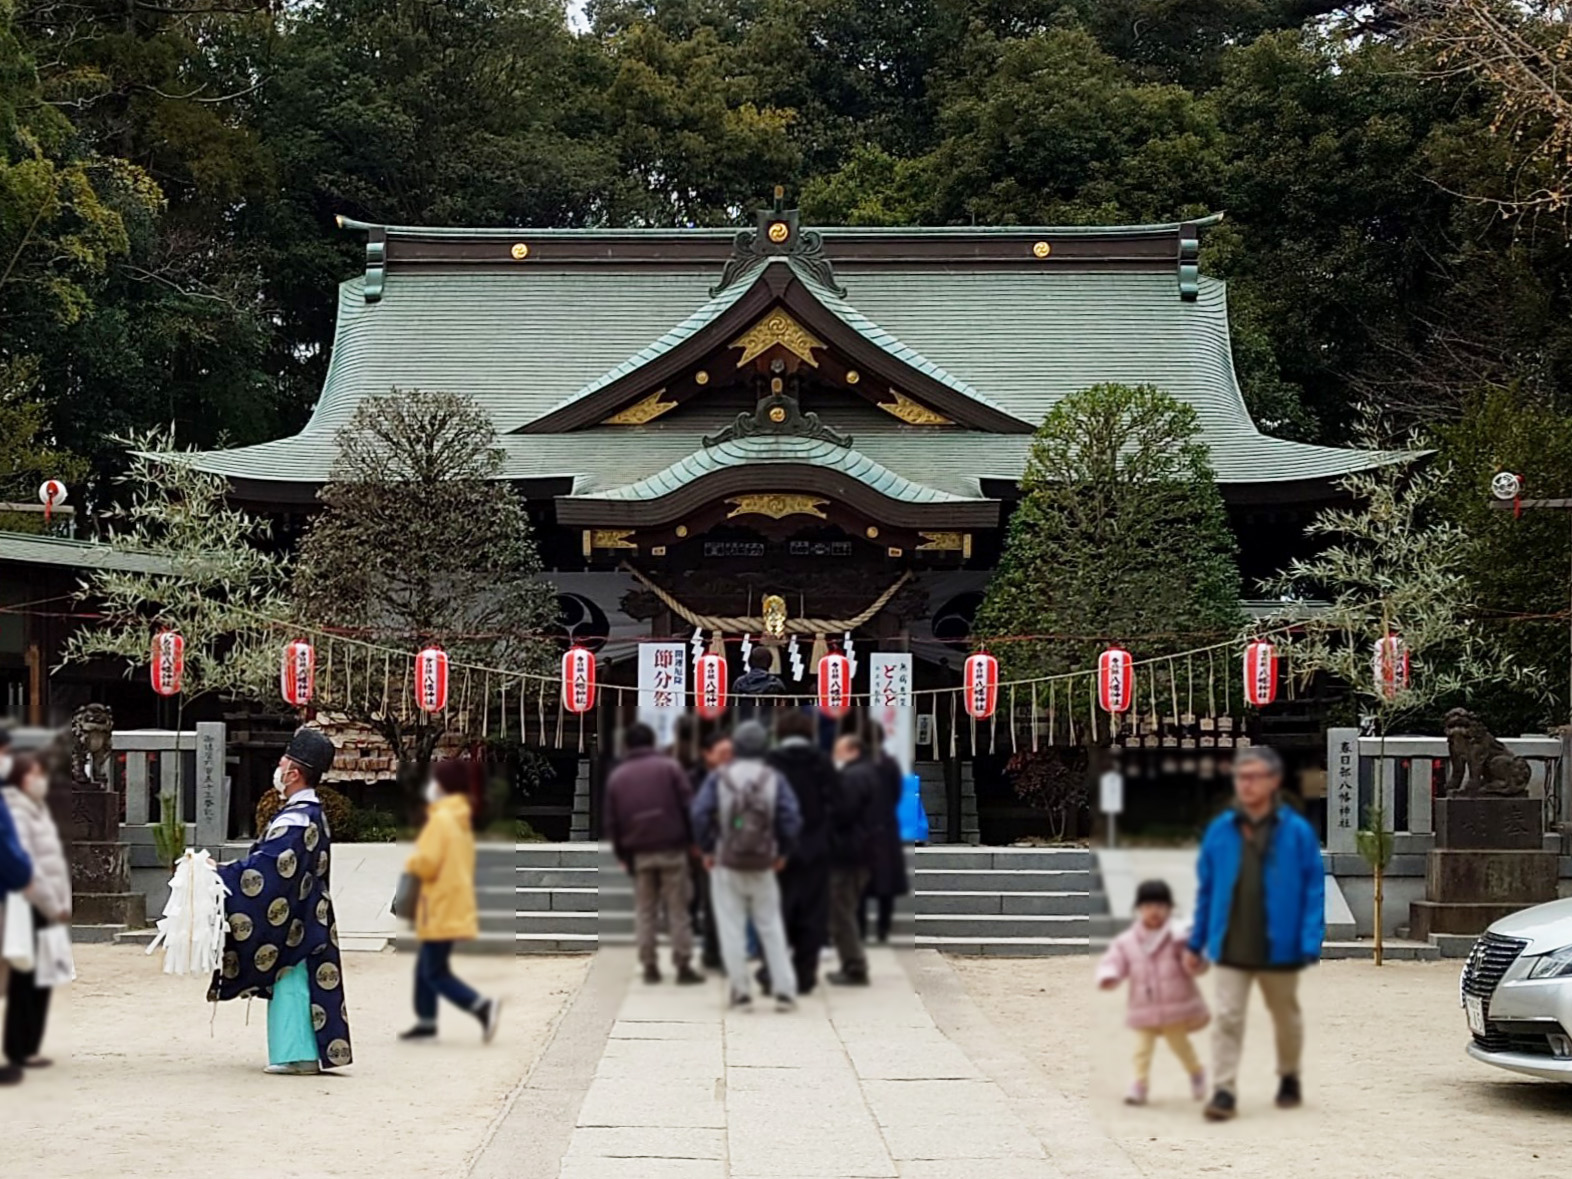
(339, 673)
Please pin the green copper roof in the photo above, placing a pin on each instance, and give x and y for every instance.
(525, 341)
(716, 306)
(740, 452)
(75, 554)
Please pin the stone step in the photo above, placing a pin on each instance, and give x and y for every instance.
(1003, 858)
(130, 937)
(555, 877)
(555, 921)
(98, 935)
(925, 879)
(1005, 947)
(1392, 950)
(1453, 945)
(555, 855)
(983, 902)
(576, 900)
(998, 925)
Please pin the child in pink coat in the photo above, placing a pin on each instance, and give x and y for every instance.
(1165, 1003)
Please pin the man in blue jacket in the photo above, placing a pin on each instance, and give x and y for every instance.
(1260, 915)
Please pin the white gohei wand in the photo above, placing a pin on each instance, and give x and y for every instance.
(193, 925)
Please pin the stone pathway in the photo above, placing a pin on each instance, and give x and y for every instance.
(857, 1084)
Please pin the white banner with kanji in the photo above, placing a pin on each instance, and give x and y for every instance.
(663, 688)
(890, 689)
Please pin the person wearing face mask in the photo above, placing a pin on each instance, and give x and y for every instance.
(49, 892)
(282, 943)
(444, 863)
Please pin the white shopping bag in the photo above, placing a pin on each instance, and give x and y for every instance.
(56, 965)
(18, 946)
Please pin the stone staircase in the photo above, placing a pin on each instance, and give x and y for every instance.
(1007, 902)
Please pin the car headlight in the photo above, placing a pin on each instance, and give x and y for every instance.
(1554, 965)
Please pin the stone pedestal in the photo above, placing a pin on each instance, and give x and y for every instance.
(1488, 862)
(1489, 824)
(101, 894)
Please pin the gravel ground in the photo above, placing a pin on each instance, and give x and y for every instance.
(144, 1085)
(1388, 1088)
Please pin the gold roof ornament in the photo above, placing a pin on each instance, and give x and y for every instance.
(946, 542)
(778, 328)
(777, 505)
(913, 413)
(640, 412)
(612, 538)
(778, 232)
(520, 251)
(774, 615)
(1042, 249)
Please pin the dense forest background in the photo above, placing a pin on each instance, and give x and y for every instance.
(1393, 182)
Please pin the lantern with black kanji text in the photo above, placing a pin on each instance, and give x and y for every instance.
(1260, 673)
(169, 662)
(981, 685)
(709, 686)
(431, 679)
(578, 680)
(1390, 666)
(297, 673)
(834, 685)
(1115, 680)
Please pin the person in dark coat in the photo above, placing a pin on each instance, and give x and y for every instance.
(646, 823)
(759, 680)
(886, 853)
(851, 829)
(805, 881)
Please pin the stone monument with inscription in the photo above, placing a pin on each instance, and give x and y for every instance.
(103, 903)
(1489, 858)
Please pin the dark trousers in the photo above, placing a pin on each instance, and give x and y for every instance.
(805, 905)
(846, 885)
(703, 910)
(886, 907)
(434, 977)
(26, 1012)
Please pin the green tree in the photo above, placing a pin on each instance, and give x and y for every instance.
(419, 541)
(1120, 535)
(190, 563)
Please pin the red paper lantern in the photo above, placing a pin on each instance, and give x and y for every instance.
(1115, 680)
(834, 685)
(1390, 665)
(431, 679)
(297, 674)
(709, 686)
(982, 685)
(1260, 673)
(169, 662)
(578, 680)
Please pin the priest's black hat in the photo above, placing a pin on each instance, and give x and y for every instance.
(312, 750)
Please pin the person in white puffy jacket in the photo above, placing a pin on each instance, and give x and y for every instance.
(27, 1004)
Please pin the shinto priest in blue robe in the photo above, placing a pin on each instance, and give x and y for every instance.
(282, 928)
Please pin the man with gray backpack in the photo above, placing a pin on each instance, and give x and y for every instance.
(747, 821)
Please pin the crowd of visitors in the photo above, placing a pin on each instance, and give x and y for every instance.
(767, 843)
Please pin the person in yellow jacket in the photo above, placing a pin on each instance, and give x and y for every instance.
(444, 863)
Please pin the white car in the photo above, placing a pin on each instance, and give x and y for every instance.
(1517, 993)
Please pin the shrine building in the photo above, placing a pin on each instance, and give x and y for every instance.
(840, 416)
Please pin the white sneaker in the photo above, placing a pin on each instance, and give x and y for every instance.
(490, 1019)
(295, 1068)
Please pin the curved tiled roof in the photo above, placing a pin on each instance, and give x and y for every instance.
(768, 449)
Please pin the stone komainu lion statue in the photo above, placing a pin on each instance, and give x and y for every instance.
(1480, 763)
